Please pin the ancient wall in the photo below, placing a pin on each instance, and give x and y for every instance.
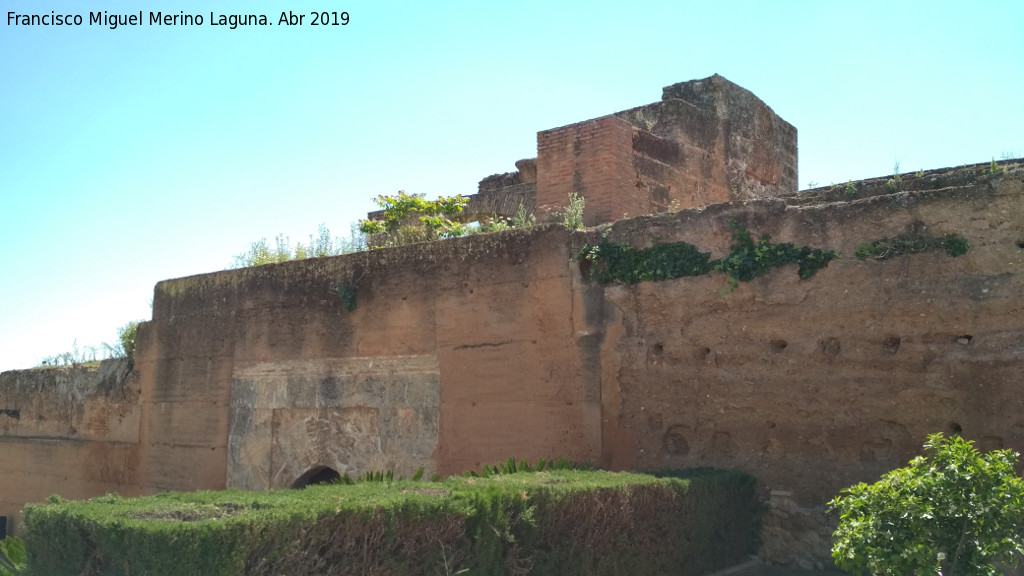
(814, 385)
(455, 354)
(67, 430)
(468, 351)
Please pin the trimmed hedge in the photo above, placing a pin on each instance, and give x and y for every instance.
(557, 522)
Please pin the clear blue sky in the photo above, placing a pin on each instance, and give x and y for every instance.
(133, 155)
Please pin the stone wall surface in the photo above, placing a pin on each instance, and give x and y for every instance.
(814, 385)
(349, 415)
(252, 377)
(71, 430)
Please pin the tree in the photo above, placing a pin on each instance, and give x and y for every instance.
(953, 512)
(402, 210)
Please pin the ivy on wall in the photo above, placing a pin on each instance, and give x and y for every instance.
(745, 261)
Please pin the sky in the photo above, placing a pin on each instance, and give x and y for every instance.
(145, 152)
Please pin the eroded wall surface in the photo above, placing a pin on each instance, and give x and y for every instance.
(351, 415)
(707, 141)
(456, 354)
(814, 385)
(68, 430)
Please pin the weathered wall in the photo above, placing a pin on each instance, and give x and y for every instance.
(478, 332)
(68, 430)
(465, 352)
(592, 159)
(706, 142)
(815, 385)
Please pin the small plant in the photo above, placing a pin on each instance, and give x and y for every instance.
(572, 217)
(851, 190)
(953, 512)
(523, 219)
(953, 244)
(994, 167)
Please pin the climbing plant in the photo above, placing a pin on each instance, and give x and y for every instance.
(610, 261)
(745, 261)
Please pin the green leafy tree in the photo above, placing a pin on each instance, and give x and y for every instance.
(402, 211)
(953, 512)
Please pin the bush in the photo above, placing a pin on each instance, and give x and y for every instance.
(564, 522)
(954, 511)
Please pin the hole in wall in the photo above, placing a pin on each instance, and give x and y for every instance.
(1020, 243)
(891, 345)
(3, 527)
(829, 347)
(700, 355)
(954, 429)
(317, 475)
(778, 345)
(675, 442)
(964, 339)
(657, 350)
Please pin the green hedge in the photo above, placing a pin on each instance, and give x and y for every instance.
(556, 522)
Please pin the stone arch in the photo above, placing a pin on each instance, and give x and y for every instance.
(317, 475)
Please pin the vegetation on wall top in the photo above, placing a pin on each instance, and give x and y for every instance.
(402, 211)
(124, 347)
(323, 244)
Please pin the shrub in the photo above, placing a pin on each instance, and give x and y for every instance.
(954, 511)
(556, 522)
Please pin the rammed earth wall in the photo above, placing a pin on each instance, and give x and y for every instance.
(468, 351)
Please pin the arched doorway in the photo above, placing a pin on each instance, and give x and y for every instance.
(317, 475)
